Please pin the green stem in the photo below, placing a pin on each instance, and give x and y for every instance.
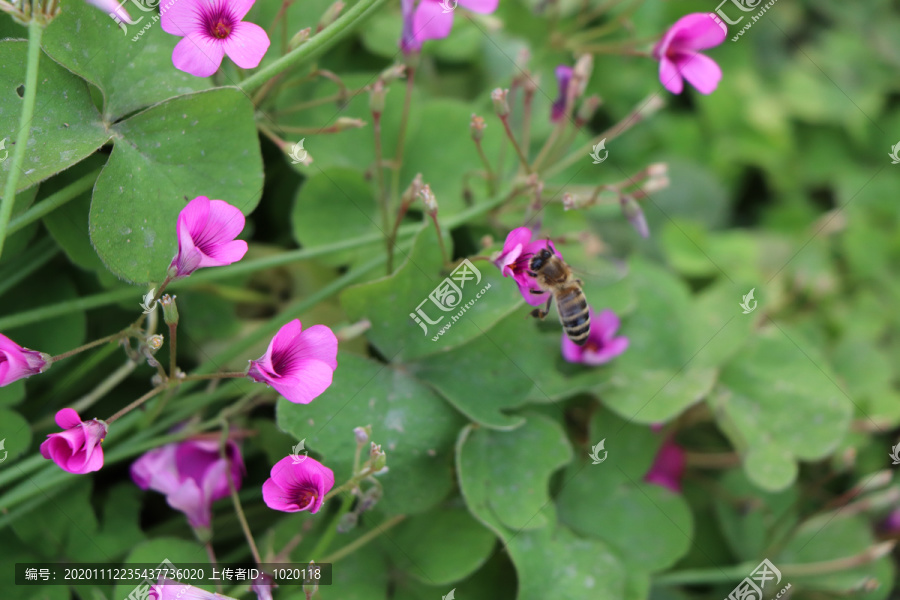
(135, 404)
(331, 530)
(88, 346)
(512, 138)
(362, 540)
(235, 499)
(35, 32)
(173, 330)
(53, 201)
(316, 45)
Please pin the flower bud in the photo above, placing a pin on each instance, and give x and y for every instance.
(568, 201)
(476, 127)
(377, 456)
(343, 123)
(392, 73)
(431, 206)
(155, 342)
(632, 211)
(330, 15)
(299, 38)
(376, 97)
(362, 434)
(170, 310)
(582, 71)
(311, 588)
(500, 103)
(348, 522)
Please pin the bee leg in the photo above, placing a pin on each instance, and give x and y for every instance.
(540, 313)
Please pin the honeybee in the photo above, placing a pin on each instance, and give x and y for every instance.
(553, 275)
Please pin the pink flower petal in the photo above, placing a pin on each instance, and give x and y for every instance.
(606, 323)
(277, 498)
(701, 71)
(430, 22)
(315, 379)
(239, 8)
(198, 54)
(316, 343)
(608, 352)
(188, 498)
(669, 76)
(697, 31)
(571, 351)
(246, 46)
(183, 18)
(67, 418)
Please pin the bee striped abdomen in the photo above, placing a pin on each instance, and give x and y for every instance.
(574, 314)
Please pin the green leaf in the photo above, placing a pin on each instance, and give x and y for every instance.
(414, 427)
(68, 224)
(648, 526)
(441, 546)
(764, 393)
(388, 303)
(505, 475)
(552, 562)
(130, 73)
(749, 532)
(443, 151)
(66, 125)
(203, 144)
(336, 204)
(64, 532)
(656, 378)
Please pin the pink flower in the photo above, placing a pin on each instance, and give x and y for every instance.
(513, 262)
(206, 231)
(166, 589)
(433, 21)
(298, 364)
(563, 77)
(17, 362)
(408, 41)
(211, 29)
(678, 57)
(77, 449)
(192, 474)
(293, 487)
(668, 466)
(601, 345)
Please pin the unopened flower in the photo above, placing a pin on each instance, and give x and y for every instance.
(513, 262)
(206, 231)
(192, 474)
(632, 211)
(431, 19)
(211, 29)
(476, 127)
(298, 364)
(501, 105)
(17, 362)
(668, 466)
(601, 346)
(678, 56)
(293, 487)
(563, 78)
(77, 449)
